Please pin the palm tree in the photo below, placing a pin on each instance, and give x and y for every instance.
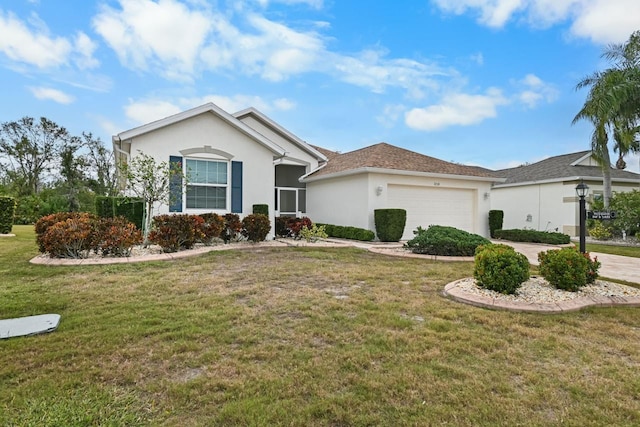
(613, 107)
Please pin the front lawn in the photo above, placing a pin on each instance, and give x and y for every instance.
(631, 251)
(299, 336)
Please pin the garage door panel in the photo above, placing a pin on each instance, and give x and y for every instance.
(433, 206)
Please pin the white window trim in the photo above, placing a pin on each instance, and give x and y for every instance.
(227, 186)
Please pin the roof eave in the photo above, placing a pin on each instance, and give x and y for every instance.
(565, 179)
(209, 107)
(403, 173)
(306, 147)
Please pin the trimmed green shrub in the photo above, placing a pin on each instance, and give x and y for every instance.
(567, 268)
(116, 236)
(314, 233)
(71, 238)
(232, 227)
(255, 227)
(496, 218)
(130, 208)
(175, 232)
(261, 209)
(211, 227)
(7, 213)
(500, 268)
(533, 236)
(348, 232)
(445, 241)
(390, 224)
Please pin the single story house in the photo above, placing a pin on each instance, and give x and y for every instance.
(233, 161)
(542, 195)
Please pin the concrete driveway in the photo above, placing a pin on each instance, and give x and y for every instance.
(613, 266)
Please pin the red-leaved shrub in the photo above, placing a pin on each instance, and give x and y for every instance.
(232, 227)
(116, 236)
(72, 238)
(211, 228)
(255, 227)
(175, 232)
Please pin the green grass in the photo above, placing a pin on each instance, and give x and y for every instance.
(630, 251)
(299, 336)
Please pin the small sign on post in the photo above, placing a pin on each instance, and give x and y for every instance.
(601, 215)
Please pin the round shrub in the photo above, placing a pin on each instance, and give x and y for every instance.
(72, 238)
(500, 268)
(565, 268)
(43, 224)
(232, 227)
(445, 241)
(211, 228)
(599, 231)
(116, 236)
(255, 227)
(175, 232)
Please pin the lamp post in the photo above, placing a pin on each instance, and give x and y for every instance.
(582, 190)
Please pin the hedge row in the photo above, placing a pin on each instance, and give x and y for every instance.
(76, 234)
(130, 208)
(445, 241)
(533, 236)
(347, 232)
(7, 212)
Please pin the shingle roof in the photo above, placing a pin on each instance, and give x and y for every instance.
(559, 167)
(386, 156)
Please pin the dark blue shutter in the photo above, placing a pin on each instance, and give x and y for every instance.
(175, 184)
(236, 187)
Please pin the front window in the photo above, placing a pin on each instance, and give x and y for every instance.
(206, 184)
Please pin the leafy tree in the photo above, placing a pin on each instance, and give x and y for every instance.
(613, 107)
(101, 163)
(149, 180)
(30, 149)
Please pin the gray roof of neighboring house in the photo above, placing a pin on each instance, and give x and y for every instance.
(387, 157)
(560, 167)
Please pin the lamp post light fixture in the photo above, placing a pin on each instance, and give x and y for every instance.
(582, 190)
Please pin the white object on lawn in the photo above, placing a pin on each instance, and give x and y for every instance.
(30, 325)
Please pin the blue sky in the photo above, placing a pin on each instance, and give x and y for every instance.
(480, 82)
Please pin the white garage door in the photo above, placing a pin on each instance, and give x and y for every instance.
(427, 206)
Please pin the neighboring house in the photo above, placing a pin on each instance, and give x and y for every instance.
(235, 161)
(542, 196)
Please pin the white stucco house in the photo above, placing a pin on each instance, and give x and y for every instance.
(234, 161)
(542, 195)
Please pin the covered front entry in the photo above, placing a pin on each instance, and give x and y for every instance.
(290, 193)
(427, 206)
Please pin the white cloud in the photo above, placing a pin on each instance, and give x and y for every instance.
(607, 21)
(206, 39)
(85, 47)
(390, 115)
(456, 109)
(316, 4)
(532, 91)
(33, 46)
(602, 21)
(373, 70)
(152, 109)
(478, 58)
(165, 33)
(147, 111)
(284, 104)
(45, 93)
